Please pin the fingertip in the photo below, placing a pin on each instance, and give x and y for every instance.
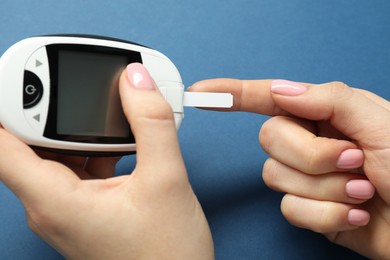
(213, 85)
(322, 216)
(139, 76)
(136, 91)
(220, 85)
(358, 217)
(360, 189)
(287, 88)
(150, 116)
(350, 159)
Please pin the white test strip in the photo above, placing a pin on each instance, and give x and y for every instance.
(208, 99)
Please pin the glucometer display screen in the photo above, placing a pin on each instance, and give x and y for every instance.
(85, 104)
(88, 95)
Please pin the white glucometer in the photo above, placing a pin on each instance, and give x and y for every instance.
(61, 93)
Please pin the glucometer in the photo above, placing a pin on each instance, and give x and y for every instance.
(60, 92)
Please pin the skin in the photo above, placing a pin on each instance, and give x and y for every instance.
(153, 213)
(305, 138)
(86, 213)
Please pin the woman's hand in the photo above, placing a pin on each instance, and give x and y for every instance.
(329, 149)
(150, 214)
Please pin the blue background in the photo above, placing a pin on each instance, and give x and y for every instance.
(303, 40)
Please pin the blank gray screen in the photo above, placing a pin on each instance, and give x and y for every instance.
(88, 95)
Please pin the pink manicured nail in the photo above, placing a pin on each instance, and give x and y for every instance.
(360, 189)
(358, 217)
(139, 77)
(287, 88)
(350, 159)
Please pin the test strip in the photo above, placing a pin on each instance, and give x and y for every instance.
(208, 99)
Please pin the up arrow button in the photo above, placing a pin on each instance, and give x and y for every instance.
(38, 63)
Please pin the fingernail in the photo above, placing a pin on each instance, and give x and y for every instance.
(287, 88)
(350, 159)
(139, 77)
(360, 189)
(358, 217)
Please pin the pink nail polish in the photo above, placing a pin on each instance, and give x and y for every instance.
(287, 88)
(350, 159)
(358, 217)
(360, 189)
(139, 77)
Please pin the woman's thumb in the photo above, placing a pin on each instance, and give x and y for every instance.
(151, 120)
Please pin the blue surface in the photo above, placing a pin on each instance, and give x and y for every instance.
(304, 40)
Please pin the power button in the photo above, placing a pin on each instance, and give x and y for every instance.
(32, 89)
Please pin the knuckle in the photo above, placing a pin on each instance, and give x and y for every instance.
(311, 162)
(288, 210)
(339, 89)
(270, 173)
(32, 225)
(158, 110)
(323, 219)
(329, 218)
(263, 137)
(266, 134)
(294, 211)
(152, 112)
(339, 84)
(320, 156)
(38, 221)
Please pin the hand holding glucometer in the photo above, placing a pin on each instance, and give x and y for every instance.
(84, 211)
(60, 92)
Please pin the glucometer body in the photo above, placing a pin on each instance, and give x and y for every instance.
(61, 92)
